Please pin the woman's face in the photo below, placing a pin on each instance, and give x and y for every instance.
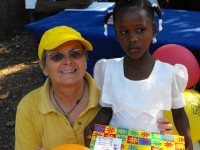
(66, 70)
(134, 30)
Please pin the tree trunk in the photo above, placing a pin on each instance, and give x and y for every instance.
(12, 17)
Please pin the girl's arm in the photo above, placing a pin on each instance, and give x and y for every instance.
(182, 125)
(103, 117)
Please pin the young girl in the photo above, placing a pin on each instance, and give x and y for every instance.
(138, 87)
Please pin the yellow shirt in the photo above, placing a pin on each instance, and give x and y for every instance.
(38, 124)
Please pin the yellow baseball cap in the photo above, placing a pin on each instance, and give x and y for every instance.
(56, 36)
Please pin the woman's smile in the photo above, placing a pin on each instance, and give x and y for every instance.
(68, 71)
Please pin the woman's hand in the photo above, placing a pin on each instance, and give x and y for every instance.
(165, 126)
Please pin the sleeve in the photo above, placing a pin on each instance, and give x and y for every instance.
(99, 76)
(99, 69)
(25, 136)
(180, 79)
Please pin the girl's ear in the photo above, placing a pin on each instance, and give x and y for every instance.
(43, 67)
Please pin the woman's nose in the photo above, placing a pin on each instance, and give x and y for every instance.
(67, 59)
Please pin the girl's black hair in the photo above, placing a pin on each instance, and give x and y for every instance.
(143, 4)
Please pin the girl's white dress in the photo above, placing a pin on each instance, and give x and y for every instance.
(138, 104)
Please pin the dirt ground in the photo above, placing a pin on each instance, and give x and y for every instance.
(19, 74)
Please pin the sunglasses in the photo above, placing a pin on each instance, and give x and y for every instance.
(75, 54)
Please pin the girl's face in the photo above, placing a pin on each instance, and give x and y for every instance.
(134, 30)
(69, 68)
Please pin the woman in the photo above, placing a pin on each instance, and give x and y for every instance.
(59, 111)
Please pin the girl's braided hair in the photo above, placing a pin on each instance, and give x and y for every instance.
(150, 7)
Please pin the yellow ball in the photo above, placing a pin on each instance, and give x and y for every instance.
(192, 110)
(70, 147)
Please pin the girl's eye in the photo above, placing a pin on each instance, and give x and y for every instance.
(124, 32)
(140, 30)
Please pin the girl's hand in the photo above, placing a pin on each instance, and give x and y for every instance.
(165, 126)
